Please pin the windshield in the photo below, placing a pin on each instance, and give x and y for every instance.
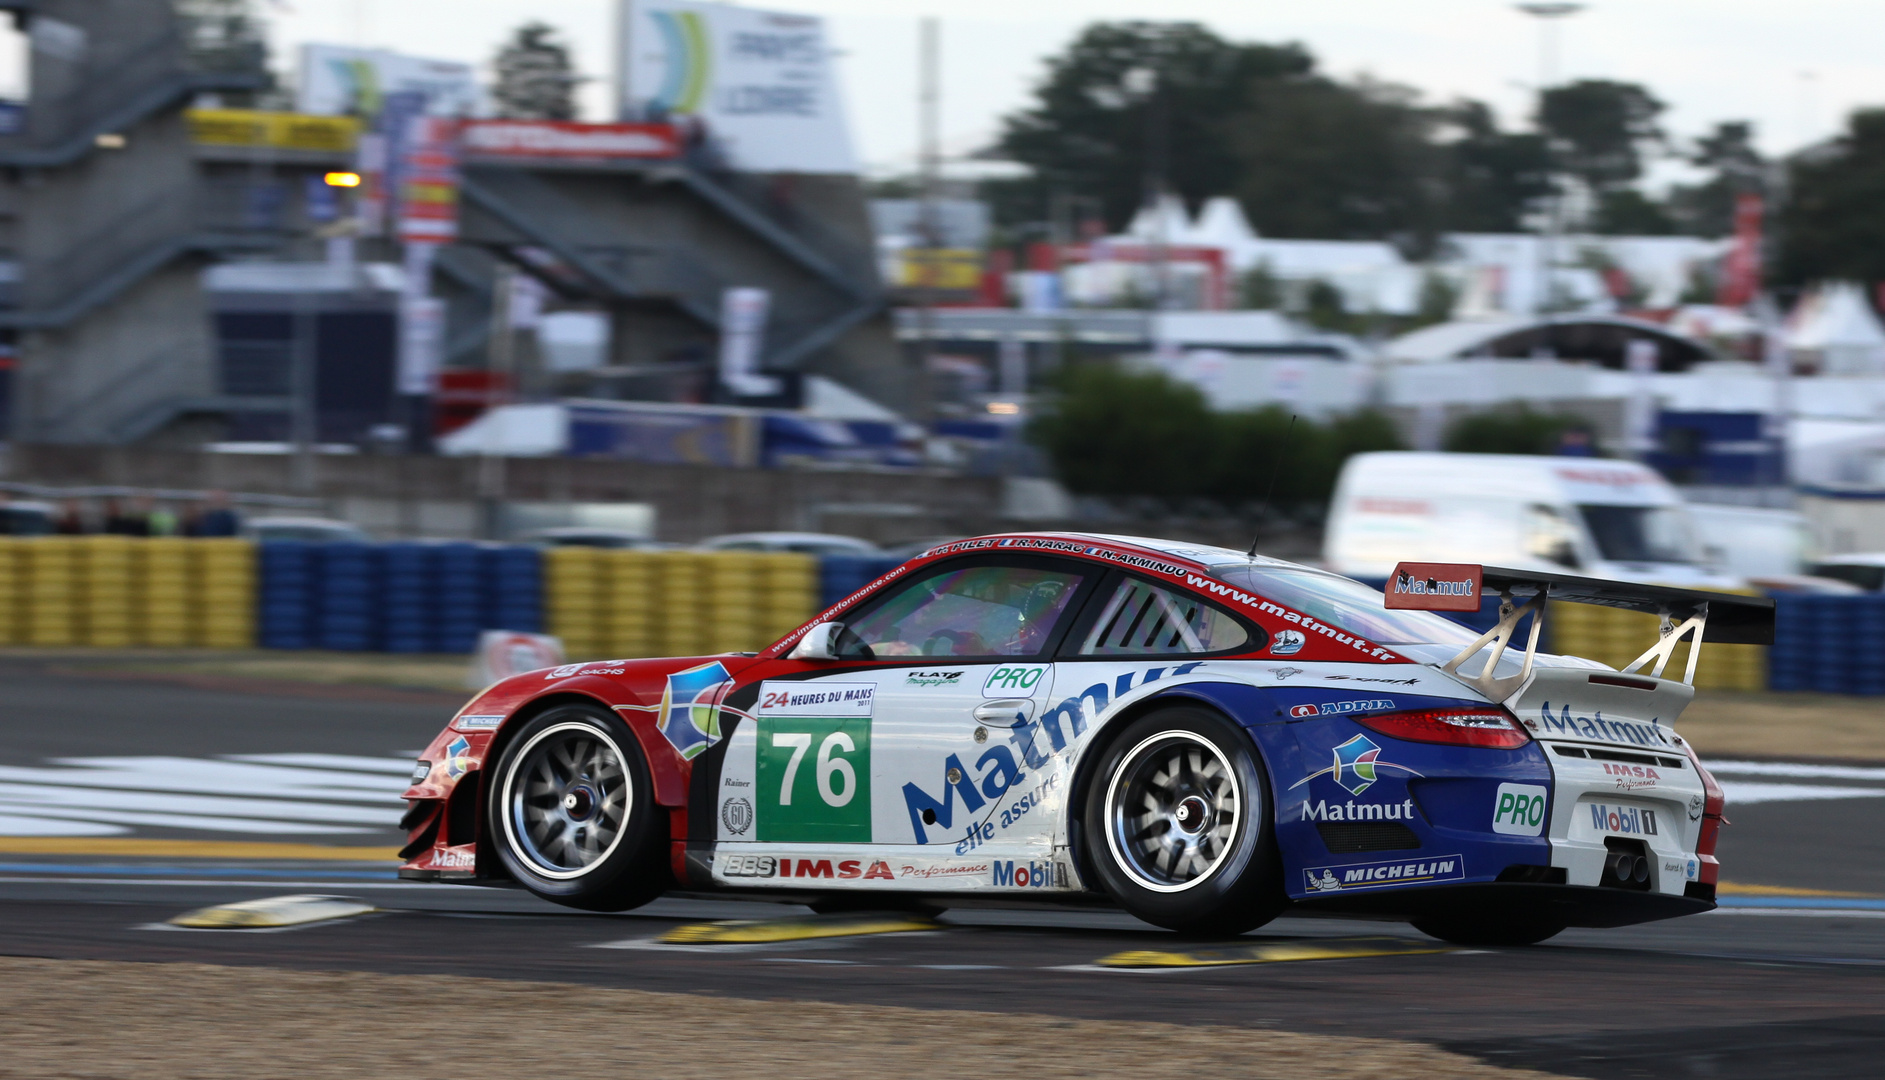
(1348, 604)
(1640, 533)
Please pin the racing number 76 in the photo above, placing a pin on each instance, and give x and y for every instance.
(822, 800)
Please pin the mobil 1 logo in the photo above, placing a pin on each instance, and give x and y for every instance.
(813, 763)
(1519, 810)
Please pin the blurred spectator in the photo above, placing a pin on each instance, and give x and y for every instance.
(163, 520)
(134, 520)
(71, 518)
(216, 518)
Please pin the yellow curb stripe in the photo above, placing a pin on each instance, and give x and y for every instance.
(763, 931)
(1728, 889)
(272, 913)
(189, 849)
(1276, 953)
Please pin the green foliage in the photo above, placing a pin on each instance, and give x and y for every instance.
(1707, 209)
(535, 78)
(1832, 225)
(1325, 309)
(1306, 155)
(1124, 434)
(1494, 176)
(1629, 212)
(1599, 128)
(1519, 430)
(1121, 433)
(1087, 133)
(1322, 159)
(1438, 298)
(1260, 289)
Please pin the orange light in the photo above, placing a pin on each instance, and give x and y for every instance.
(343, 179)
(1004, 408)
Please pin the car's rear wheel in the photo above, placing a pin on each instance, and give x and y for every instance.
(1178, 825)
(573, 814)
(1495, 931)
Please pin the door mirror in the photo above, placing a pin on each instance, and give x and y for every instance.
(829, 641)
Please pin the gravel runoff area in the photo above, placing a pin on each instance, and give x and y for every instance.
(1790, 726)
(82, 1018)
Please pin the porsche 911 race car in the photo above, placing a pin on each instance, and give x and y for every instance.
(1202, 737)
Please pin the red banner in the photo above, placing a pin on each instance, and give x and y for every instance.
(564, 140)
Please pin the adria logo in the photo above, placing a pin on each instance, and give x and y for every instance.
(1304, 710)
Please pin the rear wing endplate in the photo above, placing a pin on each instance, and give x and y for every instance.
(1730, 619)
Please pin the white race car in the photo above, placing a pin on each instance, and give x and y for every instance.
(1206, 738)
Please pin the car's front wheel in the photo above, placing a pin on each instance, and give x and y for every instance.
(1178, 826)
(573, 815)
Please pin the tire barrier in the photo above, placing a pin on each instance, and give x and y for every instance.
(121, 591)
(408, 597)
(1616, 637)
(1829, 644)
(613, 603)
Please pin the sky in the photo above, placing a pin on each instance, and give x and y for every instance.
(1795, 68)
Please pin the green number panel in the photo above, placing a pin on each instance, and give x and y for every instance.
(814, 779)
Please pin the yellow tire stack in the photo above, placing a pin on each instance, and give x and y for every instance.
(630, 605)
(788, 595)
(13, 597)
(733, 579)
(680, 625)
(50, 573)
(222, 576)
(1615, 637)
(163, 610)
(572, 601)
(106, 574)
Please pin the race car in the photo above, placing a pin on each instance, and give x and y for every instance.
(1203, 737)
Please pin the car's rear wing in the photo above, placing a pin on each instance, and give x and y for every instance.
(1732, 619)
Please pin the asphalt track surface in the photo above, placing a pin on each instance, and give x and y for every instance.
(1787, 979)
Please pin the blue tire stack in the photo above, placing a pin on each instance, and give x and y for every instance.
(841, 575)
(513, 578)
(407, 590)
(1831, 642)
(459, 601)
(289, 574)
(1867, 650)
(348, 617)
(1790, 658)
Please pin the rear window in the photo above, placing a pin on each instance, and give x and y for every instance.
(1342, 602)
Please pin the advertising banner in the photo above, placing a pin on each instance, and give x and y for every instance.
(278, 130)
(340, 81)
(428, 181)
(562, 140)
(757, 86)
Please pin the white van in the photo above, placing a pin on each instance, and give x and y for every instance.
(1587, 516)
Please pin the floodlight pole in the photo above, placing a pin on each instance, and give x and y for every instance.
(929, 229)
(1547, 12)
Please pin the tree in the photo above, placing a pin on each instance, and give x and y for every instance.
(1707, 209)
(1114, 432)
(1088, 132)
(1629, 212)
(1317, 158)
(1833, 225)
(1494, 177)
(1512, 431)
(1600, 128)
(535, 78)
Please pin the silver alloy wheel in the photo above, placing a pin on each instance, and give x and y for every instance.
(1174, 808)
(566, 798)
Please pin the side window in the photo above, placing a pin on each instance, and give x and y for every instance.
(975, 611)
(1141, 619)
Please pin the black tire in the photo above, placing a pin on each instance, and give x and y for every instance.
(1225, 878)
(571, 812)
(1489, 932)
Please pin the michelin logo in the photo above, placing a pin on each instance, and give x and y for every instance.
(1384, 874)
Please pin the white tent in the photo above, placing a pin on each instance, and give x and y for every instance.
(1835, 326)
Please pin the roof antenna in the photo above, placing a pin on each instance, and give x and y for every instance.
(1276, 468)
